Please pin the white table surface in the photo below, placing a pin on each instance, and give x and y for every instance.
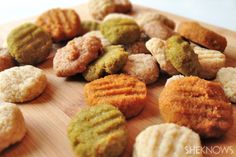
(217, 12)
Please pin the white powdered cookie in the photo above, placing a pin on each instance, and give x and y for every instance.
(142, 66)
(210, 60)
(175, 77)
(157, 48)
(117, 15)
(166, 140)
(227, 77)
(12, 125)
(98, 34)
(21, 84)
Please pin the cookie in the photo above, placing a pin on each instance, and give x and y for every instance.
(210, 60)
(123, 91)
(123, 6)
(6, 60)
(100, 8)
(149, 16)
(198, 104)
(142, 66)
(112, 61)
(76, 56)
(12, 125)
(98, 131)
(202, 36)
(21, 84)
(227, 77)
(89, 25)
(157, 48)
(99, 35)
(172, 78)
(137, 47)
(167, 140)
(61, 24)
(182, 56)
(29, 44)
(117, 15)
(120, 30)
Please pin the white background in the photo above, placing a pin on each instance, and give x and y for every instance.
(217, 12)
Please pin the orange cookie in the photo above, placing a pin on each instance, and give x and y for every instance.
(198, 104)
(61, 24)
(123, 91)
(202, 36)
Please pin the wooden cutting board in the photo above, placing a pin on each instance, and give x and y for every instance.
(47, 117)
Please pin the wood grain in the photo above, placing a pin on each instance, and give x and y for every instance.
(47, 117)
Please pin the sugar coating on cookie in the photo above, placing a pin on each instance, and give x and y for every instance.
(12, 125)
(61, 24)
(98, 34)
(198, 104)
(29, 44)
(123, 91)
(166, 139)
(21, 84)
(6, 60)
(111, 62)
(98, 131)
(76, 56)
(227, 77)
(120, 30)
(210, 60)
(157, 48)
(142, 66)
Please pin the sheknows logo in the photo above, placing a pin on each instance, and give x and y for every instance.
(209, 150)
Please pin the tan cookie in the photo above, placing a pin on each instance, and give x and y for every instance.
(61, 24)
(203, 36)
(76, 55)
(142, 66)
(210, 60)
(123, 6)
(12, 125)
(21, 84)
(123, 91)
(198, 104)
(174, 77)
(6, 61)
(157, 48)
(167, 140)
(117, 15)
(98, 34)
(227, 77)
(137, 47)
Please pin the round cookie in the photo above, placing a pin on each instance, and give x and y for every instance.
(6, 60)
(12, 125)
(201, 35)
(99, 35)
(112, 61)
(117, 16)
(76, 55)
(142, 66)
(167, 140)
(123, 6)
(61, 24)
(172, 78)
(157, 47)
(120, 30)
(21, 84)
(198, 104)
(137, 47)
(29, 44)
(89, 25)
(123, 91)
(182, 56)
(227, 77)
(98, 131)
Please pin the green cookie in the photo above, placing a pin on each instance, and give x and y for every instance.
(98, 131)
(113, 59)
(120, 30)
(89, 25)
(181, 56)
(29, 44)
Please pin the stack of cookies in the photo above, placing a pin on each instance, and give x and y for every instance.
(119, 55)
